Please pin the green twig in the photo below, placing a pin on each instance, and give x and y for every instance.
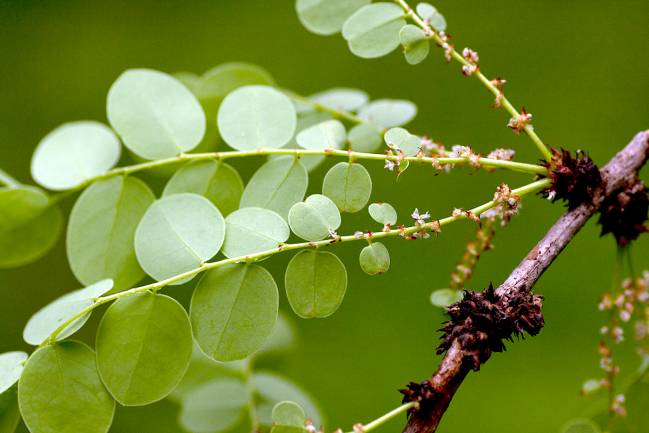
(364, 428)
(7, 180)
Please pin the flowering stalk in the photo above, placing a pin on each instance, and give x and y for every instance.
(520, 121)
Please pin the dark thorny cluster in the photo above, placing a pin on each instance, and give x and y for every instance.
(624, 213)
(422, 393)
(574, 179)
(482, 321)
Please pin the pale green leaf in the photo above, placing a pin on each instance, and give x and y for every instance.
(60, 391)
(373, 30)
(329, 134)
(374, 259)
(415, 44)
(277, 185)
(288, 417)
(101, 231)
(316, 282)
(326, 17)
(9, 412)
(177, 234)
(282, 338)
(581, 425)
(234, 310)
(29, 225)
(252, 230)
(189, 79)
(214, 406)
(428, 13)
(401, 139)
(383, 213)
(73, 153)
(315, 218)
(349, 185)
(365, 137)
(341, 99)
(304, 121)
(273, 388)
(256, 117)
(217, 181)
(155, 114)
(11, 367)
(144, 344)
(388, 112)
(49, 318)
(445, 297)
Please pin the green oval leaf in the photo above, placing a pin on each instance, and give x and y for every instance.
(383, 213)
(288, 417)
(214, 406)
(581, 425)
(277, 185)
(144, 344)
(316, 282)
(219, 182)
(233, 311)
(341, 99)
(60, 391)
(256, 117)
(29, 225)
(273, 388)
(177, 234)
(315, 218)
(11, 367)
(401, 139)
(326, 17)
(428, 13)
(9, 412)
(388, 112)
(155, 114)
(73, 153)
(304, 121)
(101, 231)
(415, 44)
(373, 30)
(349, 185)
(365, 137)
(374, 259)
(49, 318)
(252, 230)
(445, 297)
(329, 134)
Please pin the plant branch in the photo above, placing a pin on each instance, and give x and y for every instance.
(364, 428)
(402, 231)
(529, 129)
(7, 180)
(453, 368)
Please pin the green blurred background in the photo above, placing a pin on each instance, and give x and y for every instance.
(580, 66)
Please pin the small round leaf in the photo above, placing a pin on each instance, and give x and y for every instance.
(316, 282)
(73, 153)
(273, 388)
(341, 99)
(365, 137)
(428, 12)
(373, 30)
(349, 185)
(288, 417)
(415, 44)
(326, 17)
(375, 259)
(11, 367)
(177, 234)
(277, 185)
(315, 218)
(256, 117)
(60, 391)
(144, 344)
(383, 213)
(49, 318)
(252, 230)
(403, 140)
(29, 225)
(581, 425)
(445, 297)
(219, 182)
(389, 112)
(329, 134)
(101, 231)
(155, 114)
(214, 406)
(234, 310)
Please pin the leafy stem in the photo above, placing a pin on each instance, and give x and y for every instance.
(251, 258)
(7, 180)
(529, 129)
(364, 428)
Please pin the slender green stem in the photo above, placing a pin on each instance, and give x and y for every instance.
(401, 231)
(529, 129)
(484, 162)
(385, 418)
(7, 180)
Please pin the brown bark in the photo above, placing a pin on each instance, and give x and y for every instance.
(453, 368)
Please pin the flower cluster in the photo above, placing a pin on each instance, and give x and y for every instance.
(499, 83)
(474, 249)
(518, 123)
(420, 222)
(472, 59)
(507, 205)
(467, 153)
